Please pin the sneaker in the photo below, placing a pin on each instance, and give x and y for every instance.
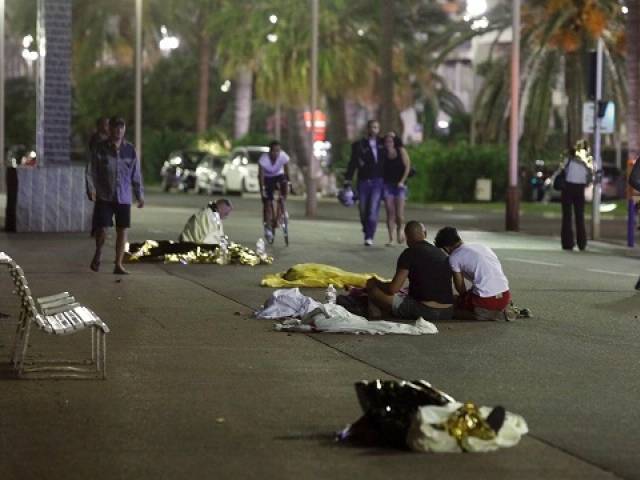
(368, 242)
(510, 313)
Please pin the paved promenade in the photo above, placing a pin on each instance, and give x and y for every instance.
(198, 389)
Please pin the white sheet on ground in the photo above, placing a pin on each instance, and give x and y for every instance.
(427, 435)
(285, 303)
(333, 318)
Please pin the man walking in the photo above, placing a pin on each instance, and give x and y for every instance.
(429, 274)
(367, 157)
(100, 135)
(113, 179)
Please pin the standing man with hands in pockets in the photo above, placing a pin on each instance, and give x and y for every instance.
(113, 179)
(367, 157)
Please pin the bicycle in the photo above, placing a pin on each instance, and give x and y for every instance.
(279, 218)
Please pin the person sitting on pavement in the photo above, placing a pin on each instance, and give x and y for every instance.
(488, 297)
(427, 268)
(205, 226)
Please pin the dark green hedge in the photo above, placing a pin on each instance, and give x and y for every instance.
(449, 172)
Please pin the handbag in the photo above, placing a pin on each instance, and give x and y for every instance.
(560, 180)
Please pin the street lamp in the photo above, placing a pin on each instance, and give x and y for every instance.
(168, 42)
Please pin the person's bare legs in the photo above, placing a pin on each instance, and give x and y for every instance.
(378, 299)
(121, 241)
(399, 206)
(391, 217)
(101, 235)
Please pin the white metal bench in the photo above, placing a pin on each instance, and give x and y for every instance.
(58, 314)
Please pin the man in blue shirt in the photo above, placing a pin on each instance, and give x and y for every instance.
(113, 180)
(367, 157)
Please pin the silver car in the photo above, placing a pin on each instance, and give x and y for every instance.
(241, 171)
(209, 177)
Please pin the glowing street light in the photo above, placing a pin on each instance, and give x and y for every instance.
(168, 42)
(476, 8)
(624, 9)
(272, 37)
(226, 86)
(273, 19)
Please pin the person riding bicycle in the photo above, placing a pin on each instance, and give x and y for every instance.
(273, 174)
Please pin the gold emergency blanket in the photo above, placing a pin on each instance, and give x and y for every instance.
(182, 252)
(316, 275)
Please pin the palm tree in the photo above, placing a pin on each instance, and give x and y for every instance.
(556, 36)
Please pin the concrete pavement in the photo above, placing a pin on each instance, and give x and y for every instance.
(198, 389)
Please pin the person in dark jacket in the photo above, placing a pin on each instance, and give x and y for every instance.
(367, 158)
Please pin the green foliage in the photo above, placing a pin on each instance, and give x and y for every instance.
(156, 147)
(253, 138)
(105, 92)
(20, 112)
(449, 172)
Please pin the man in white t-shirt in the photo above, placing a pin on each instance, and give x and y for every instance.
(273, 174)
(488, 297)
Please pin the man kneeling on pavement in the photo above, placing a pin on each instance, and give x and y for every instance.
(430, 273)
(488, 297)
(427, 268)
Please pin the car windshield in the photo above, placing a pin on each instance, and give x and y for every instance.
(254, 157)
(218, 162)
(191, 159)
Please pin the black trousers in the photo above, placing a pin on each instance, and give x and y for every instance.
(573, 202)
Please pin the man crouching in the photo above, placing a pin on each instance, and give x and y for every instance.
(489, 297)
(427, 268)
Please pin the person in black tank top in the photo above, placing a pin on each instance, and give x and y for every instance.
(429, 273)
(396, 171)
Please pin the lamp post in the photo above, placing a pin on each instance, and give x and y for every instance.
(138, 67)
(2, 164)
(311, 180)
(513, 194)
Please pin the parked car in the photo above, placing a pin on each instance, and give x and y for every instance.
(241, 171)
(179, 170)
(613, 185)
(209, 177)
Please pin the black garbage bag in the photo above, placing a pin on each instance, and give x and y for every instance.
(388, 407)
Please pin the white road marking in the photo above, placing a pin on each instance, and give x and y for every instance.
(595, 270)
(535, 262)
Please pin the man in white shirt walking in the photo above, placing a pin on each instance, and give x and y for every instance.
(489, 297)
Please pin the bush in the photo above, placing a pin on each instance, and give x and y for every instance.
(449, 172)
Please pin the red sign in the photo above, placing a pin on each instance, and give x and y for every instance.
(319, 127)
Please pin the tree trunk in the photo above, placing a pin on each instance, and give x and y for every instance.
(244, 93)
(573, 84)
(299, 144)
(337, 129)
(202, 111)
(387, 20)
(633, 80)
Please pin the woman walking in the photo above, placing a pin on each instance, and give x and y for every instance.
(577, 173)
(396, 171)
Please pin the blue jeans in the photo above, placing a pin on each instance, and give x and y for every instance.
(370, 194)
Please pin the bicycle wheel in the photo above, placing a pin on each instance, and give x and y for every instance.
(285, 227)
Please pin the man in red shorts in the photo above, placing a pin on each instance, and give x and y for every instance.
(489, 297)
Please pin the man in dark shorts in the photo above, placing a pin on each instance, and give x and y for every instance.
(113, 179)
(427, 268)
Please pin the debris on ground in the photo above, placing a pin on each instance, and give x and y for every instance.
(414, 415)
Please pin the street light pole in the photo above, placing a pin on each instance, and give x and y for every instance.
(138, 68)
(311, 181)
(2, 67)
(513, 194)
(597, 161)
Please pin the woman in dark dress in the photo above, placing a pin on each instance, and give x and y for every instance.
(396, 170)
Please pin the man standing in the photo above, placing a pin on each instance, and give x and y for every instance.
(577, 173)
(430, 295)
(367, 157)
(113, 179)
(489, 297)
